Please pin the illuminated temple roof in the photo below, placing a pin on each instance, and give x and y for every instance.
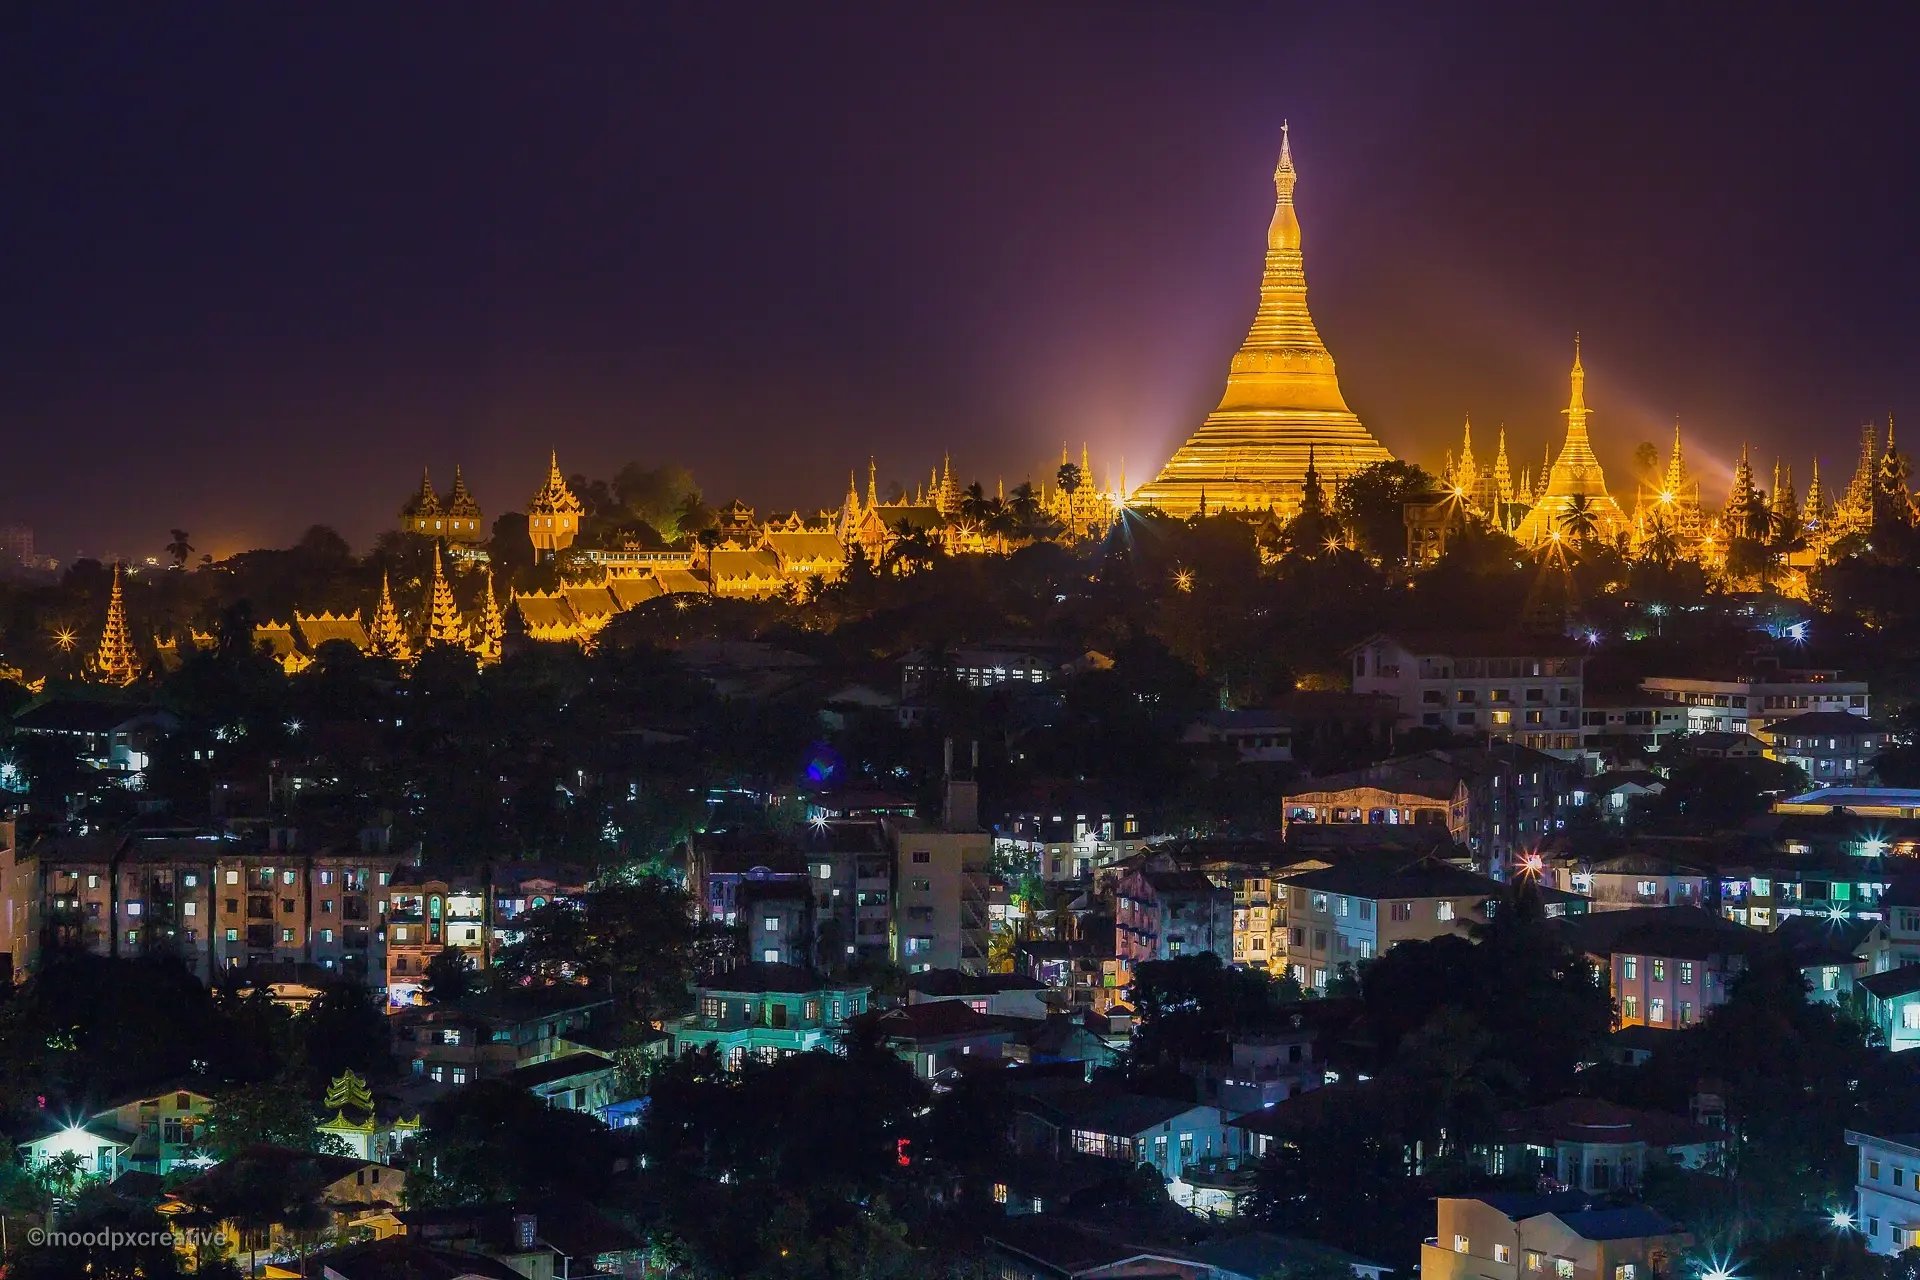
(1282, 398)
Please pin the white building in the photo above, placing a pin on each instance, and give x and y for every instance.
(1525, 689)
(1750, 702)
(1887, 1201)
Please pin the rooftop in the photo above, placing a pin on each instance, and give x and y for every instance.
(1377, 879)
(1825, 722)
(767, 977)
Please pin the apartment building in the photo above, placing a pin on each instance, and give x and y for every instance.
(493, 1035)
(1667, 967)
(1886, 1209)
(1166, 914)
(1833, 748)
(213, 900)
(1346, 914)
(1754, 699)
(475, 913)
(1503, 688)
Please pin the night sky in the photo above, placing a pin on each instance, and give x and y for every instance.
(263, 262)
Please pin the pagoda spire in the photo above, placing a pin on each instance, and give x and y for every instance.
(386, 637)
(115, 661)
(1467, 471)
(1740, 495)
(1676, 468)
(443, 619)
(1813, 512)
(1282, 393)
(1784, 504)
(873, 484)
(489, 627)
(1502, 470)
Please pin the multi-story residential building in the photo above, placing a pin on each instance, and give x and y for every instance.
(1667, 967)
(759, 1011)
(980, 667)
(1522, 1234)
(476, 913)
(1886, 1209)
(940, 898)
(1343, 915)
(212, 900)
(1069, 830)
(1495, 799)
(1752, 700)
(1636, 880)
(1511, 688)
(1163, 915)
(150, 1130)
(485, 1037)
(1255, 918)
(1830, 747)
(1086, 978)
(1833, 886)
(1638, 723)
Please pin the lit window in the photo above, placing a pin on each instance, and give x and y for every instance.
(1503, 1253)
(773, 924)
(1460, 1244)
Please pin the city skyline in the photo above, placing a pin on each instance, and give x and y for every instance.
(247, 325)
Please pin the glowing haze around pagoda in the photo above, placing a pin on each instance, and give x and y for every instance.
(1282, 399)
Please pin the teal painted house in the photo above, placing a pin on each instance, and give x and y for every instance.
(764, 1010)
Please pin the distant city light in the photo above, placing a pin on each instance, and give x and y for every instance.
(1842, 1220)
(1183, 579)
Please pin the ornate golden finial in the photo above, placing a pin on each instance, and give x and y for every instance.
(873, 482)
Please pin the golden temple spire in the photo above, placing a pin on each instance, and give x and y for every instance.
(1813, 512)
(1503, 470)
(489, 627)
(1575, 474)
(1086, 467)
(115, 661)
(873, 483)
(386, 637)
(1282, 394)
(443, 620)
(1466, 471)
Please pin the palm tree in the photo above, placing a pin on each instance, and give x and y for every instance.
(708, 538)
(1581, 520)
(179, 548)
(911, 550)
(1069, 480)
(975, 505)
(1662, 546)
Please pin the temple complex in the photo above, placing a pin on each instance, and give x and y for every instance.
(1282, 399)
(1575, 474)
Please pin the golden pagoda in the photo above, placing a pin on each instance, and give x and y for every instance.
(1575, 474)
(489, 627)
(444, 624)
(464, 518)
(387, 638)
(553, 517)
(1282, 398)
(115, 661)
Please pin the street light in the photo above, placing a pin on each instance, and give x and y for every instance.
(1842, 1220)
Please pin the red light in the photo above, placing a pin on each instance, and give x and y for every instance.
(900, 1156)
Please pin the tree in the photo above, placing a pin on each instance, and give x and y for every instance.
(449, 977)
(632, 939)
(1069, 481)
(1580, 521)
(493, 1142)
(1371, 503)
(344, 1029)
(179, 548)
(275, 1114)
